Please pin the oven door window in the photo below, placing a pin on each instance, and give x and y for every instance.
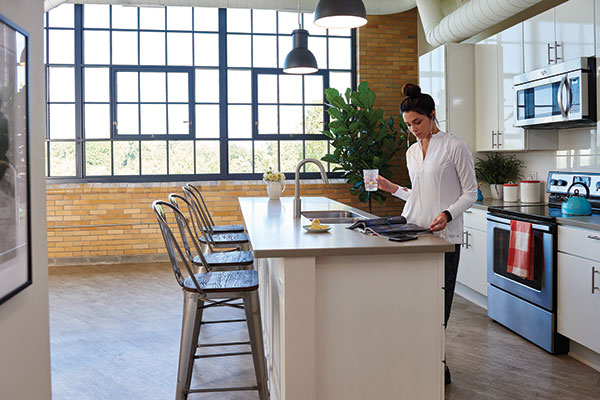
(500, 258)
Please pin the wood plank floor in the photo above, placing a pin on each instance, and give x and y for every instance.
(114, 334)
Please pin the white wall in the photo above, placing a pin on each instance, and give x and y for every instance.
(24, 339)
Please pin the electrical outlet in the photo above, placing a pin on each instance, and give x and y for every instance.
(531, 175)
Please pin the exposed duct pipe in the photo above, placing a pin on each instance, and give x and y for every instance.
(50, 4)
(468, 20)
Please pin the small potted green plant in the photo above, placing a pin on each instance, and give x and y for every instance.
(498, 169)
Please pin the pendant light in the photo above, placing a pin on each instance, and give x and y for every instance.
(337, 14)
(300, 60)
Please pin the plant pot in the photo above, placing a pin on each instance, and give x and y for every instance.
(274, 190)
(496, 190)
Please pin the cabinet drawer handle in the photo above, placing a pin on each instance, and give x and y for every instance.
(468, 212)
(467, 240)
(593, 237)
(594, 272)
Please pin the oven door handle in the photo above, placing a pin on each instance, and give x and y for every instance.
(506, 221)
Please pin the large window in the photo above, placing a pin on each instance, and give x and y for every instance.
(173, 93)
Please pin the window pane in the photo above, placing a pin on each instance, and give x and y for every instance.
(265, 51)
(61, 84)
(339, 53)
(152, 48)
(127, 86)
(291, 154)
(290, 88)
(152, 18)
(179, 18)
(288, 21)
(265, 156)
(97, 158)
(179, 48)
(310, 26)
(267, 120)
(206, 19)
(264, 21)
(313, 89)
(207, 157)
(154, 119)
(318, 46)
(313, 119)
(62, 121)
(96, 49)
(239, 86)
(207, 121)
(179, 117)
(314, 149)
(154, 157)
(178, 87)
(96, 16)
(97, 84)
(97, 121)
(126, 158)
(206, 49)
(240, 121)
(62, 16)
(340, 81)
(207, 85)
(181, 157)
(285, 46)
(128, 119)
(124, 17)
(238, 20)
(61, 47)
(238, 50)
(153, 86)
(267, 89)
(62, 159)
(290, 118)
(124, 48)
(240, 157)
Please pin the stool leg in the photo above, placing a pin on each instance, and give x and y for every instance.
(190, 330)
(252, 309)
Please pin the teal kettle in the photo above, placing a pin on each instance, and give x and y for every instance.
(576, 204)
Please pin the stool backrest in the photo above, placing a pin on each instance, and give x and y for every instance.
(199, 220)
(202, 205)
(174, 251)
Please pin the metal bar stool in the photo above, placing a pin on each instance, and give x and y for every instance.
(221, 260)
(211, 223)
(212, 241)
(206, 290)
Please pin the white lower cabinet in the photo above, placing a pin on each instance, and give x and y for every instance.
(578, 278)
(472, 268)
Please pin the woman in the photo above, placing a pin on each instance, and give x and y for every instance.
(442, 174)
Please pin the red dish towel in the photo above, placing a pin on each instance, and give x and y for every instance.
(520, 250)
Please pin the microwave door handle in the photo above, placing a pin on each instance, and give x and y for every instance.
(559, 97)
(569, 94)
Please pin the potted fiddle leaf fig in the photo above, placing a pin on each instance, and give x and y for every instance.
(361, 138)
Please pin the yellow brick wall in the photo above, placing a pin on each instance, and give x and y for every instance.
(93, 222)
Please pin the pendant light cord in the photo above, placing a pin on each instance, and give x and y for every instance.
(299, 21)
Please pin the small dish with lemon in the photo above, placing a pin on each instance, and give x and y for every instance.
(316, 227)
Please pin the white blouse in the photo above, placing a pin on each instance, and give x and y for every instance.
(443, 180)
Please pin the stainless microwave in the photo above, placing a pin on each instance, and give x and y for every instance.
(557, 96)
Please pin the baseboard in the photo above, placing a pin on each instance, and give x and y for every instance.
(585, 355)
(144, 258)
(469, 294)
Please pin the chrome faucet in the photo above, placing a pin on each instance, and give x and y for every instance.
(297, 201)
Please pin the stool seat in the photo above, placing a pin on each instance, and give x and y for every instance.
(227, 259)
(223, 281)
(228, 228)
(227, 239)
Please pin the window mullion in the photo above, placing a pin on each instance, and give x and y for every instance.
(79, 104)
(224, 141)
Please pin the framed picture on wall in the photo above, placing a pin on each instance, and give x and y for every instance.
(15, 221)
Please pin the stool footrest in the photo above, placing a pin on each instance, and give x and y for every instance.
(223, 321)
(230, 389)
(241, 353)
(223, 344)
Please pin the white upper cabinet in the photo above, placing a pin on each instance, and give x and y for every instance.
(559, 34)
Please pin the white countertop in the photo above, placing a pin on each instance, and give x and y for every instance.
(274, 232)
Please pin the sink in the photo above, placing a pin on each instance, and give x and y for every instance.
(332, 216)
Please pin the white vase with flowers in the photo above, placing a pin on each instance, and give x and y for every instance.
(275, 184)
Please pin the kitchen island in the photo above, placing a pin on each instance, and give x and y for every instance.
(346, 315)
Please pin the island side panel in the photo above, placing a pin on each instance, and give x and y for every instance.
(380, 327)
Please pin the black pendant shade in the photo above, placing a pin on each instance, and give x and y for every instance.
(300, 60)
(340, 14)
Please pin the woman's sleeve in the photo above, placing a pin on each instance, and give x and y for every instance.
(402, 193)
(465, 168)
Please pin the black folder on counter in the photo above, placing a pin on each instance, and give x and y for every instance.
(389, 226)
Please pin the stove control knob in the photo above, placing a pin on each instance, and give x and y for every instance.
(553, 182)
(562, 182)
(597, 186)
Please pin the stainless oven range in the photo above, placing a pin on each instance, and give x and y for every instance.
(528, 307)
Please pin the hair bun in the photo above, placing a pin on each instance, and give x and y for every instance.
(411, 90)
